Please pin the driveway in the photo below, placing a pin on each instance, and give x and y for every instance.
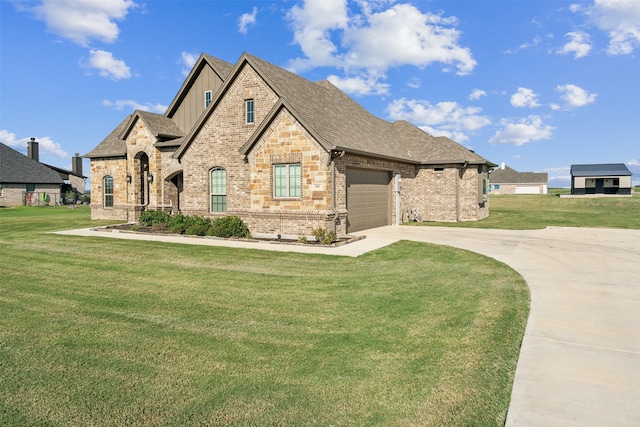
(580, 359)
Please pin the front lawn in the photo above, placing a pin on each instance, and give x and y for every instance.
(528, 212)
(95, 331)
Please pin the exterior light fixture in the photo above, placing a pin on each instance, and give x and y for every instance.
(128, 179)
(150, 178)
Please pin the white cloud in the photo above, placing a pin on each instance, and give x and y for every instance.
(359, 85)
(575, 96)
(575, 8)
(376, 39)
(524, 98)
(107, 66)
(444, 118)
(579, 44)
(188, 60)
(45, 144)
(404, 35)
(312, 25)
(85, 20)
(121, 104)
(477, 94)
(247, 19)
(621, 20)
(525, 130)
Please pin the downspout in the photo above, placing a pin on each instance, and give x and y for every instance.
(397, 189)
(458, 182)
(336, 213)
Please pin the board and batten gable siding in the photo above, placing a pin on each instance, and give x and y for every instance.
(217, 144)
(192, 106)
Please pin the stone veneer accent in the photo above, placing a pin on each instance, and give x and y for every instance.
(447, 192)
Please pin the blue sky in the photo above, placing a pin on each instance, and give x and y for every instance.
(539, 85)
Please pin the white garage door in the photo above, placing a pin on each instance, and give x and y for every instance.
(528, 189)
(368, 195)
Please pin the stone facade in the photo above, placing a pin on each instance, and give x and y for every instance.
(177, 178)
(116, 168)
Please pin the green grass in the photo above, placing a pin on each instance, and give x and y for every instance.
(98, 331)
(528, 212)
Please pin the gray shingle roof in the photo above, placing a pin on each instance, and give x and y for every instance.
(341, 123)
(512, 176)
(113, 145)
(605, 169)
(158, 125)
(16, 168)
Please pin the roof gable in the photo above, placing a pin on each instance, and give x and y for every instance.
(16, 168)
(220, 68)
(161, 127)
(507, 175)
(338, 122)
(113, 145)
(604, 169)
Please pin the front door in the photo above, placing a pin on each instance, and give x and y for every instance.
(599, 185)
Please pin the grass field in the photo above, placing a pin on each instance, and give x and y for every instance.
(526, 212)
(95, 331)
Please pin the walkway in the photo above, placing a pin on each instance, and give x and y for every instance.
(580, 359)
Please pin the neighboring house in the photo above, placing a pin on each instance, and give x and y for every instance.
(283, 153)
(26, 181)
(600, 179)
(505, 180)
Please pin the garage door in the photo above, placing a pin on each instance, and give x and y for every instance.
(367, 199)
(528, 189)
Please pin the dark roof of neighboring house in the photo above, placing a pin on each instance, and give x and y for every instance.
(16, 168)
(512, 176)
(608, 169)
(65, 172)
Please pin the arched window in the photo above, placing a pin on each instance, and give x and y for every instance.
(108, 191)
(218, 179)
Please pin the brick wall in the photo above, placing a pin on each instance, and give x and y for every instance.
(117, 168)
(287, 142)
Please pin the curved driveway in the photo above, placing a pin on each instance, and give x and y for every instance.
(580, 359)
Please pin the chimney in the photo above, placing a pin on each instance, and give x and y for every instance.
(502, 165)
(32, 150)
(76, 164)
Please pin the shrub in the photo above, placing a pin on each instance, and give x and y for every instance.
(324, 236)
(229, 226)
(197, 230)
(151, 217)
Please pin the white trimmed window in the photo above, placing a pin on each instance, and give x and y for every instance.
(287, 180)
(207, 98)
(218, 178)
(250, 112)
(108, 191)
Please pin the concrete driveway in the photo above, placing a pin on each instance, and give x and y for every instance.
(580, 358)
